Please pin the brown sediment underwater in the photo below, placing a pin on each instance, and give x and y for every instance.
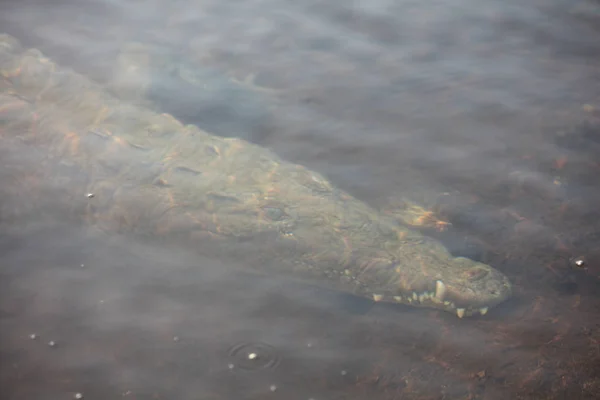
(138, 172)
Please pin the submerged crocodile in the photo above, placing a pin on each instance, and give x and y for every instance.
(148, 174)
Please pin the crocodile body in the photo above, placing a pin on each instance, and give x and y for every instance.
(138, 172)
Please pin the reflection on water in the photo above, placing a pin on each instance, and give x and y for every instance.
(486, 112)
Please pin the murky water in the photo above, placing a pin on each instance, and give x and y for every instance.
(487, 112)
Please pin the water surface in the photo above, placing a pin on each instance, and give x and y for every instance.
(486, 111)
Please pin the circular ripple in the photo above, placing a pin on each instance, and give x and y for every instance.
(253, 356)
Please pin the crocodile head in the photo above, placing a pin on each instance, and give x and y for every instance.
(427, 275)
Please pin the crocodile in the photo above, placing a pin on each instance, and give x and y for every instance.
(142, 173)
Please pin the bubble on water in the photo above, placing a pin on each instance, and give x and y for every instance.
(253, 356)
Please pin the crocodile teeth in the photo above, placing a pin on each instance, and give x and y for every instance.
(460, 312)
(440, 290)
(483, 310)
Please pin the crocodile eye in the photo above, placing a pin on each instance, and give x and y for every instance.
(475, 274)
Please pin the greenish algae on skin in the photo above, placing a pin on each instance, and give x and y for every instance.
(152, 176)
